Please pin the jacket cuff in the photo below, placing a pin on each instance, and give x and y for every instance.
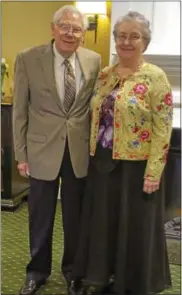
(153, 174)
(21, 157)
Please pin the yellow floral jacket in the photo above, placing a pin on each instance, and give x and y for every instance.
(142, 116)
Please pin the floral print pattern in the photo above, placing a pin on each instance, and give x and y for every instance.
(168, 99)
(142, 117)
(140, 88)
(144, 135)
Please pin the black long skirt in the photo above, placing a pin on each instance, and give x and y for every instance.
(122, 229)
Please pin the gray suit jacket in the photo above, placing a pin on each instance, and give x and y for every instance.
(40, 124)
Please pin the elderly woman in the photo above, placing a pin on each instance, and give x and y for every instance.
(122, 239)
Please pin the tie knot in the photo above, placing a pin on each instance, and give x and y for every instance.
(68, 67)
(67, 63)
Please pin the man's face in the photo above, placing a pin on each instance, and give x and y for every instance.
(68, 33)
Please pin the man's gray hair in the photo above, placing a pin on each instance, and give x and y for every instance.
(69, 8)
(138, 17)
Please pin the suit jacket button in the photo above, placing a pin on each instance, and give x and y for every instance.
(62, 137)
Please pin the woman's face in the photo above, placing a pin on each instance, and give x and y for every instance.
(129, 40)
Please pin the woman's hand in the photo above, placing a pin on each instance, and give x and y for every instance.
(150, 186)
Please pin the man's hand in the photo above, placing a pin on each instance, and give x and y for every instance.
(23, 169)
(150, 186)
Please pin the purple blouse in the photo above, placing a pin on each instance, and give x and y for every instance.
(105, 136)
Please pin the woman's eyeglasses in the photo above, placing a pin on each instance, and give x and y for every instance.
(132, 38)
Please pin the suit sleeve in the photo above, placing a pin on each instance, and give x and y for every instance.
(98, 70)
(99, 63)
(161, 104)
(20, 109)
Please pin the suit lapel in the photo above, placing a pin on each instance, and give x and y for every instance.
(47, 62)
(85, 68)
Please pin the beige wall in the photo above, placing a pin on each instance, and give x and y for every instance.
(26, 24)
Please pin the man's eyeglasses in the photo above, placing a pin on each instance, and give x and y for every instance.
(132, 38)
(66, 28)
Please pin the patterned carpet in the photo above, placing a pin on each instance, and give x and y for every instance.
(15, 255)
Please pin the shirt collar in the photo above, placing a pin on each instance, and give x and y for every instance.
(60, 59)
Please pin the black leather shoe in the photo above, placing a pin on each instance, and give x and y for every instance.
(82, 291)
(71, 288)
(30, 287)
(77, 288)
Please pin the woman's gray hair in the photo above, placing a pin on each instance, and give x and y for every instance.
(138, 17)
(69, 8)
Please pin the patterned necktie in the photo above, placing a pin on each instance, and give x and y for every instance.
(69, 86)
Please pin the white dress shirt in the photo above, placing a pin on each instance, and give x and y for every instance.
(59, 72)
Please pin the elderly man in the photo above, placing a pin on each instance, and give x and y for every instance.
(53, 84)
